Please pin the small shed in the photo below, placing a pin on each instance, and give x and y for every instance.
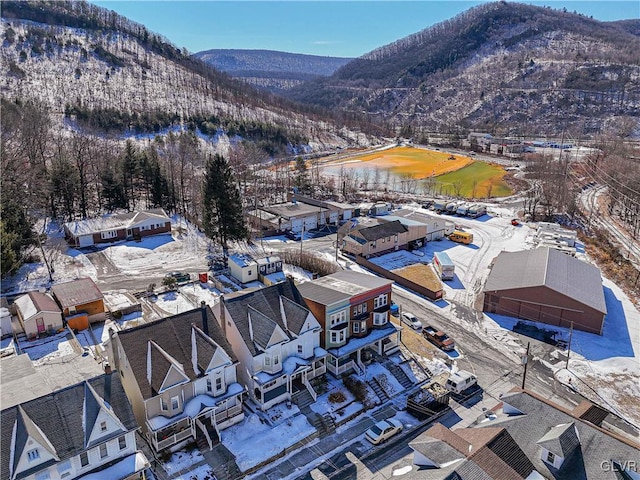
(80, 296)
(5, 322)
(38, 314)
(242, 267)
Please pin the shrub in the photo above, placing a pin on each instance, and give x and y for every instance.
(357, 388)
(337, 397)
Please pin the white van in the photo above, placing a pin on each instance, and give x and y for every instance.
(460, 381)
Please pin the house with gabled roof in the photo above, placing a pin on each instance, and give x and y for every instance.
(179, 373)
(528, 437)
(80, 430)
(373, 237)
(38, 313)
(277, 341)
(115, 227)
(353, 310)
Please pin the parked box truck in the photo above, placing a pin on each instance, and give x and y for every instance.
(444, 266)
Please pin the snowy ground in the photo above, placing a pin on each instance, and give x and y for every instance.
(182, 460)
(607, 364)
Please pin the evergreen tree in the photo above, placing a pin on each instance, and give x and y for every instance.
(16, 234)
(222, 205)
(113, 193)
(65, 187)
(302, 176)
(130, 170)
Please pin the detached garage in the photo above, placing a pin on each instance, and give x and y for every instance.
(545, 285)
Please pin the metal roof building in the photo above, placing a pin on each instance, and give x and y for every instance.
(545, 285)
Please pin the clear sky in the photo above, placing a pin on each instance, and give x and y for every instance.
(333, 28)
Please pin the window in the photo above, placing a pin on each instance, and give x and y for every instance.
(84, 459)
(356, 327)
(300, 349)
(338, 336)
(267, 361)
(33, 454)
(276, 360)
(380, 301)
(43, 475)
(103, 450)
(108, 235)
(209, 388)
(122, 442)
(103, 426)
(64, 468)
(359, 309)
(384, 240)
(338, 318)
(175, 402)
(218, 384)
(163, 404)
(380, 318)
(551, 457)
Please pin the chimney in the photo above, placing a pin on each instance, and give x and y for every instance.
(205, 320)
(114, 350)
(107, 369)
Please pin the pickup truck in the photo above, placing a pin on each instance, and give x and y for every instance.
(438, 338)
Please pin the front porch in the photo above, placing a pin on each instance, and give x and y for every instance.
(165, 436)
(381, 341)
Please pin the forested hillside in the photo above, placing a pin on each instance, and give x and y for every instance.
(503, 67)
(101, 115)
(270, 69)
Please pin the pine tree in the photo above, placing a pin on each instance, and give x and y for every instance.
(222, 205)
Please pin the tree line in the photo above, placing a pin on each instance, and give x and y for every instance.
(72, 175)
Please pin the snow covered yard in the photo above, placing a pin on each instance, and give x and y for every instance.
(181, 460)
(253, 442)
(173, 303)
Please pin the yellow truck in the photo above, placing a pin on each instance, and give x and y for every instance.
(461, 237)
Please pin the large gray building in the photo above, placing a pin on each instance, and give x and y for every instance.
(545, 285)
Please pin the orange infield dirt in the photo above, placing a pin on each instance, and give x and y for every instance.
(417, 162)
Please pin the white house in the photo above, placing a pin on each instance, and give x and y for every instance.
(87, 428)
(38, 313)
(277, 341)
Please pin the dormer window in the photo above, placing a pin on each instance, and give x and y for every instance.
(33, 455)
(209, 385)
(103, 426)
(551, 458)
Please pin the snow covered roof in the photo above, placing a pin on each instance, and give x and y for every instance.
(35, 302)
(340, 286)
(115, 221)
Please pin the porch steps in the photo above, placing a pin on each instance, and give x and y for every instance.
(302, 398)
(324, 424)
(378, 390)
(201, 442)
(201, 439)
(399, 374)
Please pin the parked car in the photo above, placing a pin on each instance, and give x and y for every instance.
(411, 320)
(438, 338)
(292, 235)
(515, 222)
(461, 381)
(383, 430)
(181, 277)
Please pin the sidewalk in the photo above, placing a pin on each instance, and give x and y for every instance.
(306, 459)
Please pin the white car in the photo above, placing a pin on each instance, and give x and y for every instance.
(411, 320)
(383, 430)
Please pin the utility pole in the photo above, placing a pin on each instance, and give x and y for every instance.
(569, 346)
(525, 361)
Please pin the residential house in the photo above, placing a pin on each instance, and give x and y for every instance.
(528, 437)
(242, 267)
(79, 298)
(353, 311)
(179, 373)
(368, 240)
(416, 230)
(270, 270)
(38, 313)
(545, 285)
(85, 429)
(277, 340)
(115, 227)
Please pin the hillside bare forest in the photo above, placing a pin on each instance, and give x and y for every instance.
(503, 67)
